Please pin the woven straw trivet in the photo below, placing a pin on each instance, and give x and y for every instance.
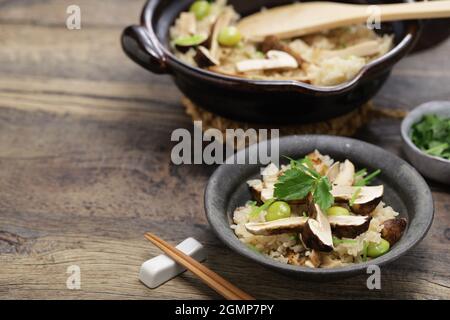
(345, 125)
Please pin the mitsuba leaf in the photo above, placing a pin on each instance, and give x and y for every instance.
(322, 194)
(294, 184)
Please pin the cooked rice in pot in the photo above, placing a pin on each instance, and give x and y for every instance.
(324, 62)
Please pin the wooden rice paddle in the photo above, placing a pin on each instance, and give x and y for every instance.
(309, 17)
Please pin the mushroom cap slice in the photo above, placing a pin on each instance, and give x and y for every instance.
(365, 194)
(366, 200)
(317, 231)
(314, 236)
(333, 171)
(273, 43)
(346, 174)
(261, 194)
(366, 209)
(393, 229)
(223, 21)
(204, 59)
(287, 225)
(275, 60)
(349, 226)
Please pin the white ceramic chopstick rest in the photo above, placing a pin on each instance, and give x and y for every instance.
(160, 269)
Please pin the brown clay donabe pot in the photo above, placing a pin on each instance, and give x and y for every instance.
(257, 100)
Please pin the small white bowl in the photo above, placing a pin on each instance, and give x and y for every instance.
(432, 167)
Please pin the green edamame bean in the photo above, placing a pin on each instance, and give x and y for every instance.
(229, 36)
(377, 249)
(337, 211)
(201, 9)
(278, 210)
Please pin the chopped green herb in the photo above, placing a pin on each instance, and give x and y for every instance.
(361, 173)
(366, 180)
(437, 149)
(354, 196)
(432, 135)
(257, 210)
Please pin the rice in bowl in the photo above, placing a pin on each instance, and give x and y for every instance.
(290, 247)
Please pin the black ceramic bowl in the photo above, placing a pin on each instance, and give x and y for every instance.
(257, 100)
(405, 190)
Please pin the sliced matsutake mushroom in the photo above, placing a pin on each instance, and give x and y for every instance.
(275, 60)
(287, 225)
(273, 43)
(363, 49)
(349, 226)
(223, 21)
(333, 171)
(346, 174)
(367, 208)
(317, 231)
(393, 229)
(256, 186)
(204, 59)
(366, 199)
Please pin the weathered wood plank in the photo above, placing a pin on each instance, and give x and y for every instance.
(78, 208)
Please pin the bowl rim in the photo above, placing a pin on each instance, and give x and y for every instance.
(401, 49)
(238, 247)
(418, 112)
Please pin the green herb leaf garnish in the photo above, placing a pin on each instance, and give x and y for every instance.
(322, 194)
(294, 184)
(302, 179)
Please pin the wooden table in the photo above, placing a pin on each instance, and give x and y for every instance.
(85, 168)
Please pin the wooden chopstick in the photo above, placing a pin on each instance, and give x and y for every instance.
(212, 279)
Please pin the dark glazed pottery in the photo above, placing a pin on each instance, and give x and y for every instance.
(405, 190)
(257, 100)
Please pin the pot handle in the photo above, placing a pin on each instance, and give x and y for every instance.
(142, 49)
